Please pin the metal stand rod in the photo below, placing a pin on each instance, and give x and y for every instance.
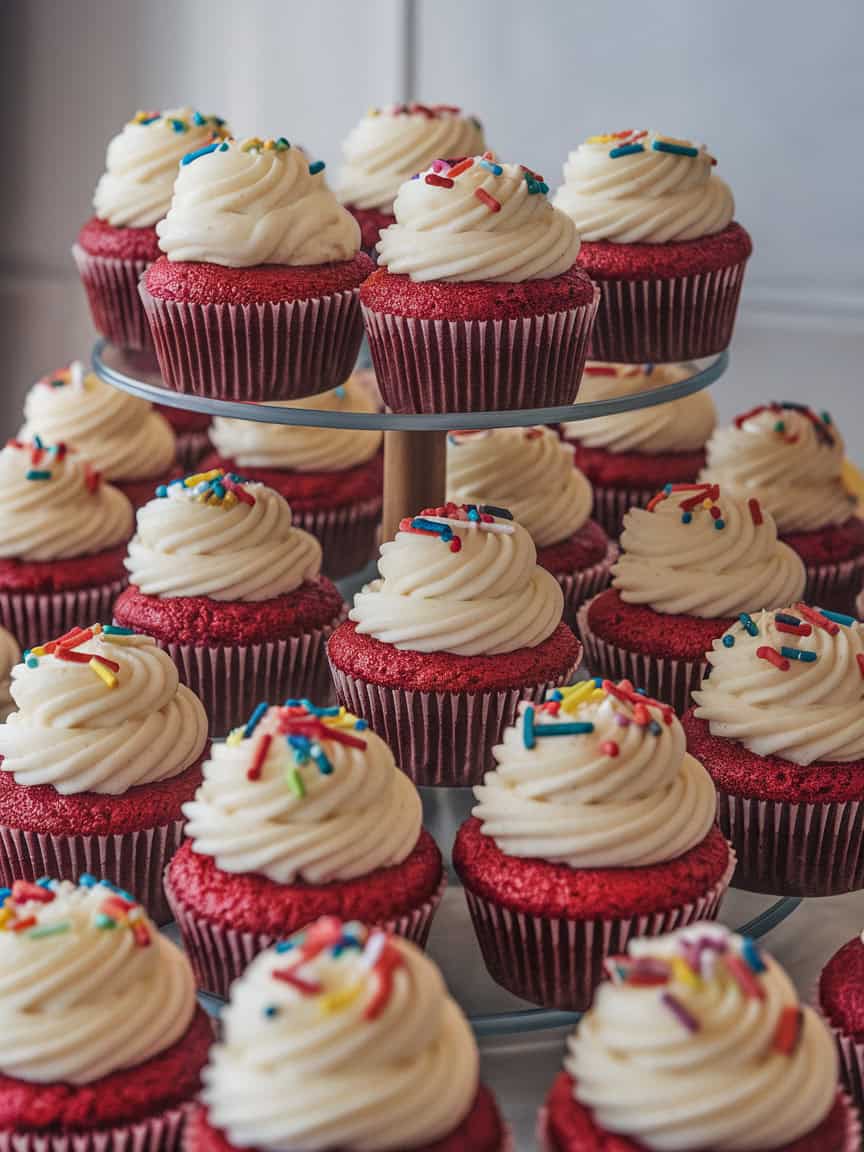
(414, 475)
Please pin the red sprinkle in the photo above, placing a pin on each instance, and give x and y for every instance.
(793, 629)
(764, 652)
(112, 664)
(461, 167)
(817, 619)
(655, 500)
(323, 934)
(92, 478)
(609, 748)
(141, 935)
(23, 925)
(755, 510)
(860, 658)
(491, 203)
(23, 890)
(304, 987)
(455, 544)
(744, 977)
(599, 370)
(788, 1030)
(439, 181)
(71, 656)
(253, 772)
(389, 960)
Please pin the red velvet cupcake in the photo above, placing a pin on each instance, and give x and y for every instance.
(191, 434)
(839, 999)
(10, 655)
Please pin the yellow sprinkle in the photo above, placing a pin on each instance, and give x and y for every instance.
(575, 695)
(109, 637)
(373, 112)
(95, 629)
(201, 477)
(6, 914)
(707, 503)
(598, 694)
(229, 501)
(605, 138)
(335, 1001)
(104, 674)
(204, 498)
(269, 144)
(235, 737)
(684, 974)
(252, 142)
(674, 140)
(40, 651)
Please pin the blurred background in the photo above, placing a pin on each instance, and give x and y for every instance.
(775, 89)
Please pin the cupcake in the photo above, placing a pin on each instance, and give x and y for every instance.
(691, 562)
(97, 762)
(779, 724)
(579, 842)
(792, 460)
(530, 471)
(331, 477)
(478, 303)
(461, 624)
(698, 1041)
(629, 456)
(838, 998)
(191, 434)
(129, 444)
(225, 583)
(116, 245)
(256, 296)
(344, 1037)
(387, 147)
(659, 238)
(63, 535)
(302, 813)
(102, 1044)
(10, 655)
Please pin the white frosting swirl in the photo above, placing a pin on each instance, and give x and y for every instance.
(731, 1084)
(10, 654)
(791, 459)
(692, 568)
(647, 197)
(82, 997)
(486, 598)
(141, 165)
(390, 144)
(224, 550)
(308, 1073)
(242, 206)
(452, 235)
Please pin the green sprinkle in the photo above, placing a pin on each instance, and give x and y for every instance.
(317, 167)
(295, 783)
(103, 921)
(49, 930)
(282, 144)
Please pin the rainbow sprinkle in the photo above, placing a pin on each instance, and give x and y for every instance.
(117, 910)
(631, 707)
(65, 648)
(449, 516)
(216, 488)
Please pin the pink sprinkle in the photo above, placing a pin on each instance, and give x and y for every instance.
(687, 1019)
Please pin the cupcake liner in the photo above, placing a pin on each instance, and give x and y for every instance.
(834, 586)
(666, 319)
(479, 365)
(662, 677)
(270, 351)
(348, 535)
(581, 586)
(556, 962)
(220, 954)
(610, 505)
(134, 861)
(34, 617)
(850, 1052)
(190, 448)
(162, 1132)
(112, 292)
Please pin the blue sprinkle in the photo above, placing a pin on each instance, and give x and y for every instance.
(205, 151)
(528, 738)
(667, 488)
(501, 513)
(361, 725)
(838, 617)
(285, 946)
(37, 440)
(798, 654)
(316, 167)
(674, 149)
(254, 719)
(5, 893)
(751, 955)
(179, 126)
(87, 880)
(223, 147)
(749, 626)
(686, 517)
(554, 695)
(785, 618)
(598, 681)
(577, 728)
(625, 150)
(198, 119)
(719, 525)
(340, 391)
(32, 662)
(270, 1011)
(543, 187)
(641, 692)
(654, 728)
(161, 491)
(45, 882)
(495, 169)
(728, 641)
(473, 515)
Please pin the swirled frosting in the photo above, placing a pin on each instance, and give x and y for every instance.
(676, 426)
(643, 188)
(56, 506)
(122, 436)
(390, 144)
(341, 1038)
(141, 165)
(699, 1041)
(597, 777)
(10, 654)
(253, 444)
(256, 202)
(696, 551)
(310, 794)
(788, 456)
(79, 732)
(217, 536)
(87, 985)
(489, 222)
(453, 584)
(789, 683)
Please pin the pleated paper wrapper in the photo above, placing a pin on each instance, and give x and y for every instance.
(581, 586)
(111, 285)
(849, 1050)
(348, 535)
(36, 617)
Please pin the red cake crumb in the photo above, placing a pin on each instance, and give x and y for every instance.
(841, 990)
(252, 903)
(200, 283)
(312, 491)
(636, 469)
(63, 575)
(830, 545)
(99, 238)
(604, 260)
(638, 628)
(372, 223)
(184, 419)
(582, 550)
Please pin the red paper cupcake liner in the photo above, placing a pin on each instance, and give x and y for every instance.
(348, 535)
(220, 954)
(34, 617)
(479, 365)
(834, 586)
(112, 292)
(190, 448)
(611, 504)
(581, 586)
(282, 350)
(160, 1133)
(849, 1051)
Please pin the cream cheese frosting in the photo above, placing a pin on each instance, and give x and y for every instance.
(477, 220)
(89, 986)
(341, 1037)
(614, 788)
(791, 458)
(461, 580)
(527, 470)
(643, 188)
(699, 1041)
(142, 161)
(215, 535)
(695, 550)
(10, 654)
(255, 202)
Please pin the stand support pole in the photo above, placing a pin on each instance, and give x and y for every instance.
(414, 475)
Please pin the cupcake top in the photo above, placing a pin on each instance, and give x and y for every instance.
(100, 710)
(477, 220)
(529, 471)
(461, 579)
(88, 986)
(302, 793)
(341, 1037)
(250, 202)
(56, 506)
(215, 534)
(694, 551)
(789, 683)
(141, 164)
(677, 426)
(390, 144)
(295, 448)
(122, 436)
(788, 456)
(615, 788)
(643, 188)
(10, 654)
(698, 1040)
